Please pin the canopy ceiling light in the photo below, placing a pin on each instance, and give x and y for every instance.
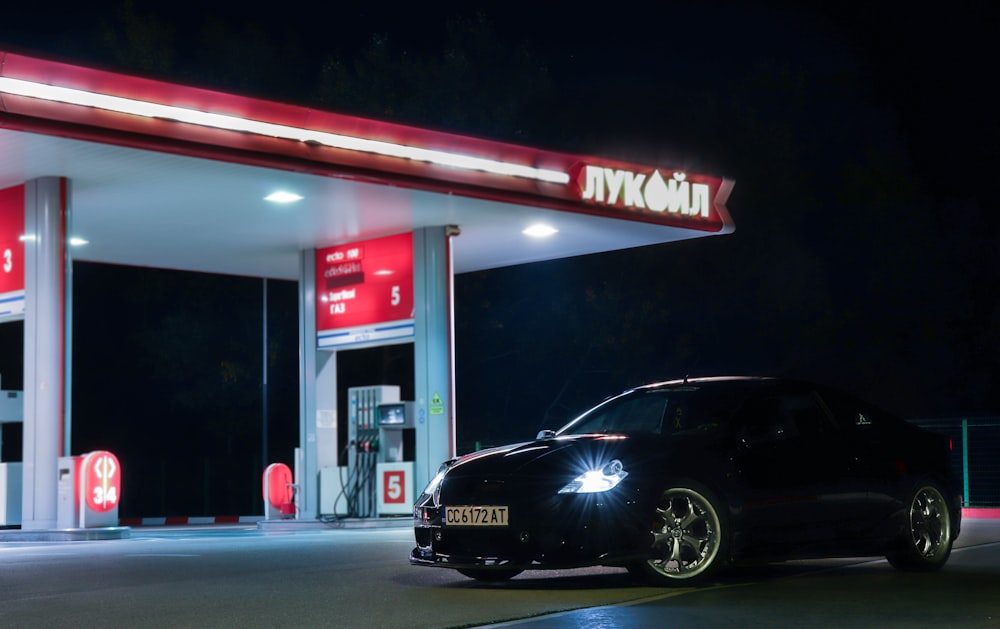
(281, 196)
(539, 230)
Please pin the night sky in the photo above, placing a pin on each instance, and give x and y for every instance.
(863, 146)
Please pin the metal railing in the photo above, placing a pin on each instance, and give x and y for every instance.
(975, 455)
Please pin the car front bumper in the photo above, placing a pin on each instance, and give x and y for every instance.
(564, 532)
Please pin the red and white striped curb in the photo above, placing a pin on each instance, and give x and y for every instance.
(183, 520)
(981, 513)
(967, 512)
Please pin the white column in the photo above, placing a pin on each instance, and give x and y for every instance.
(307, 499)
(433, 350)
(46, 347)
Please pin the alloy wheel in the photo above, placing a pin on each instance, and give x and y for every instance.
(930, 525)
(686, 535)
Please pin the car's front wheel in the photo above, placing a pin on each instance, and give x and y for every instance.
(925, 541)
(688, 536)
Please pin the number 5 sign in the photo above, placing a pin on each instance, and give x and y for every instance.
(102, 479)
(393, 488)
(395, 496)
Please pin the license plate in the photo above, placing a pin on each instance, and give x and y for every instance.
(487, 515)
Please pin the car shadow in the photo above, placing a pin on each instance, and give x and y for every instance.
(597, 578)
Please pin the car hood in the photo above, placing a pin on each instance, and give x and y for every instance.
(552, 455)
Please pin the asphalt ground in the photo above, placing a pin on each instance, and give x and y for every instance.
(241, 576)
(852, 593)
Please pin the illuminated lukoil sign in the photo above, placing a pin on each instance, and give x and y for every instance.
(651, 191)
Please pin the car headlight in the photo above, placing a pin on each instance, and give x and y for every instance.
(595, 481)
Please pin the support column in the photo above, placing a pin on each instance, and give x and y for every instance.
(307, 479)
(46, 348)
(433, 350)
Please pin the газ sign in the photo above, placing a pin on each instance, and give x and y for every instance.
(11, 252)
(364, 292)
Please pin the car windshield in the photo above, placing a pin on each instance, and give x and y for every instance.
(670, 411)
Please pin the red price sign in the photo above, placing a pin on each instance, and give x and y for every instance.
(102, 480)
(11, 247)
(361, 285)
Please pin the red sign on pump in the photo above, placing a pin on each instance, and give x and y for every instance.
(102, 480)
(364, 291)
(394, 486)
(11, 247)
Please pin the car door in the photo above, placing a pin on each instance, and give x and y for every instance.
(796, 469)
(877, 441)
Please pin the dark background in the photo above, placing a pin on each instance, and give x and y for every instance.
(863, 143)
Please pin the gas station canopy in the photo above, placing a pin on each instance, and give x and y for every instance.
(176, 177)
(102, 167)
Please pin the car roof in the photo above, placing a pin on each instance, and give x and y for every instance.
(709, 380)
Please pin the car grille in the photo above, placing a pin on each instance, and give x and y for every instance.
(474, 491)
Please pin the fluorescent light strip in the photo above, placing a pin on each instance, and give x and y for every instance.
(233, 123)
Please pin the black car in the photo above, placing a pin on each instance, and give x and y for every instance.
(676, 479)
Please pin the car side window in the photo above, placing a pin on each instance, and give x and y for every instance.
(857, 416)
(643, 414)
(764, 420)
(806, 414)
(783, 415)
(637, 414)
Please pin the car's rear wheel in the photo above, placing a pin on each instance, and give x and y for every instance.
(925, 542)
(688, 536)
(490, 575)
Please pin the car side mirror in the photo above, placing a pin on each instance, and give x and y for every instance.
(545, 434)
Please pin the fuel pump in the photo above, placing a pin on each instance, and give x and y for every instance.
(364, 445)
(395, 430)
(396, 455)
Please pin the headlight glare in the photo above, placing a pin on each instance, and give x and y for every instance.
(596, 481)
